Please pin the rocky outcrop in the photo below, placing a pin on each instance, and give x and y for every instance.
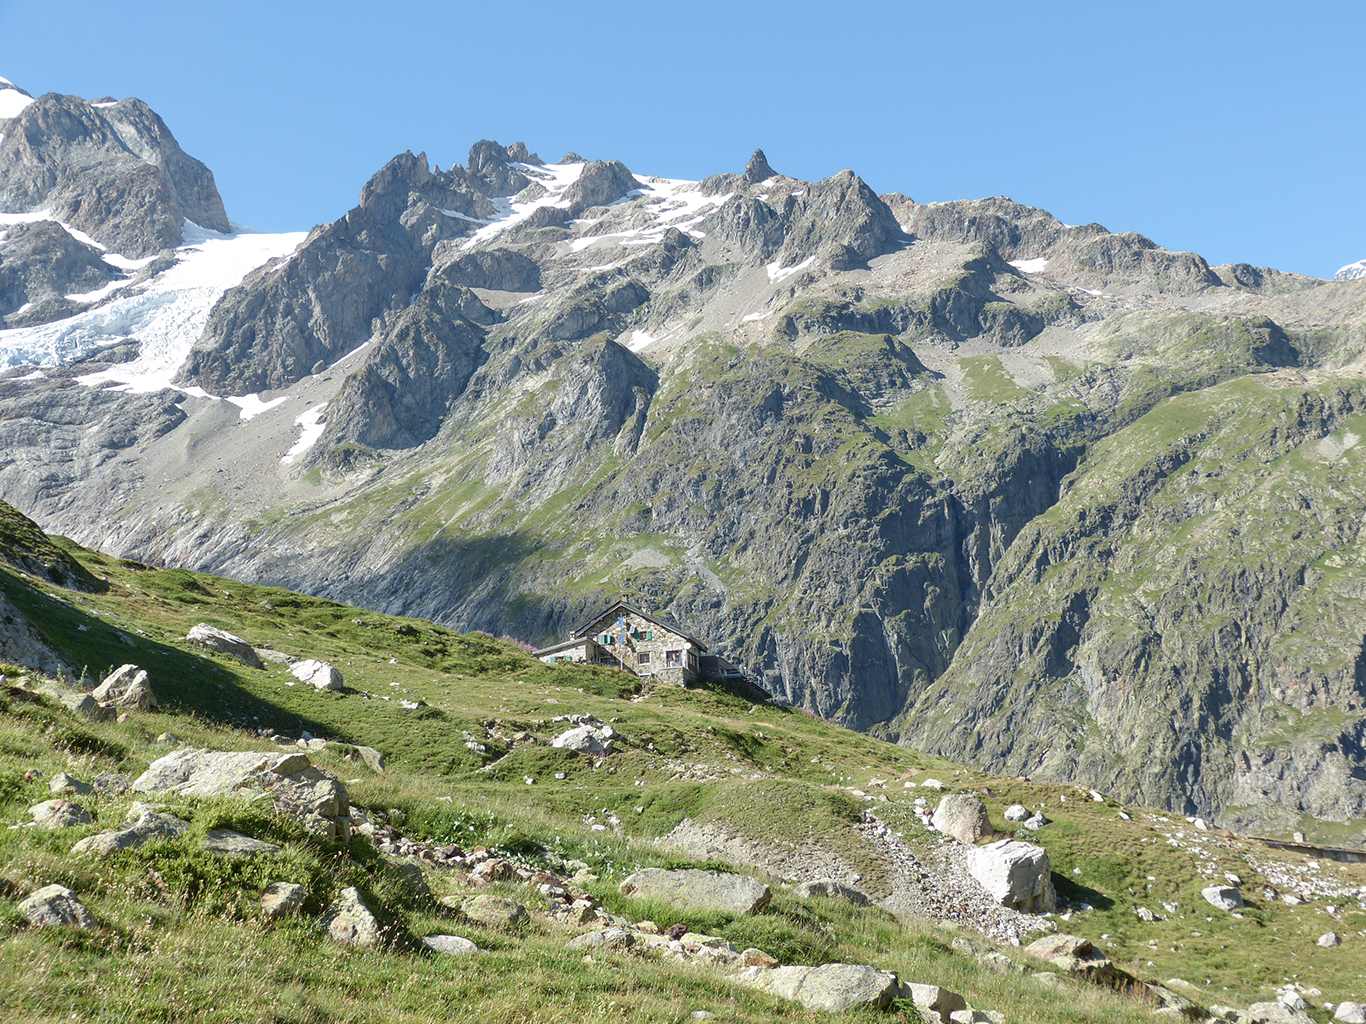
(114, 172)
(290, 782)
(40, 265)
(150, 826)
(706, 890)
(599, 183)
(350, 921)
(20, 644)
(126, 688)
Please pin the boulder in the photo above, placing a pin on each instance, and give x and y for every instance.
(833, 988)
(603, 938)
(706, 890)
(149, 826)
(1017, 874)
(934, 1003)
(587, 739)
(281, 899)
(454, 945)
(227, 843)
(1350, 1013)
(225, 643)
(349, 920)
(126, 688)
(1274, 1013)
(59, 813)
(494, 910)
(64, 783)
(1225, 897)
(290, 781)
(1074, 955)
(1036, 821)
(964, 817)
(831, 889)
(319, 674)
(1329, 939)
(56, 906)
(84, 706)
(1016, 812)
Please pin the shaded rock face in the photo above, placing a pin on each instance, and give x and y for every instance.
(21, 645)
(115, 173)
(601, 182)
(40, 264)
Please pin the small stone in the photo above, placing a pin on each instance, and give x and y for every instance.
(455, 945)
(64, 783)
(1016, 812)
(757, 958)
(55, 814)
(1329, 939)
(282, 899)
(56, 906)
(831, 889)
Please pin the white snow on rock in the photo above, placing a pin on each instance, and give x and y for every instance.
(1351, 272)
(166, 314)
(1034, 266)
(313, 424)
(750, 318)
(777, 273)
(252, 406)
(12, 102)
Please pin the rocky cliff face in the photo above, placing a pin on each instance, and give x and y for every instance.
(1044, 497)
(111, 170)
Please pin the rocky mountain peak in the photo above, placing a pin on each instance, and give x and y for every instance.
(757, 169)
(114, 172)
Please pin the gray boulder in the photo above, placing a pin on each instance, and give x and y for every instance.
(603, 938)
(56, 906)
(1273, 1013)
(225, 643)
(227, 843)
(1225, 897)
(281, 899)
(1016, 813)
(1073, 955)
(1018, 875)
(831, 889)
(586, 739)
(319, 674)
(127, 687)
(150, 826)
(494, 910)
(1036, 821)
(707, 890)
(349, 920)
(59, 813)
(289, 781)
(833, 988)
(1350, 1013)
(962, 816)
(454, 945)
(1329, 940)
(64, 783)
(934, 1003)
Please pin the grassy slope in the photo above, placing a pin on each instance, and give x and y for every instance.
(182, 940)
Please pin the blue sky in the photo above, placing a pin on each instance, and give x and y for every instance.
(1236, 131)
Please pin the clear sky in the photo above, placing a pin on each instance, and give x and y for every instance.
(1233, 130)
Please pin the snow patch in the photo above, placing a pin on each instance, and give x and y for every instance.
(640, 340)
(12, 102)
(252, 406)
(311, 420)
(777, 273)
(1034, 266)
(752, 317)
(100, 293)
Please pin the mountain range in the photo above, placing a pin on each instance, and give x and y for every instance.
(1044, 498)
